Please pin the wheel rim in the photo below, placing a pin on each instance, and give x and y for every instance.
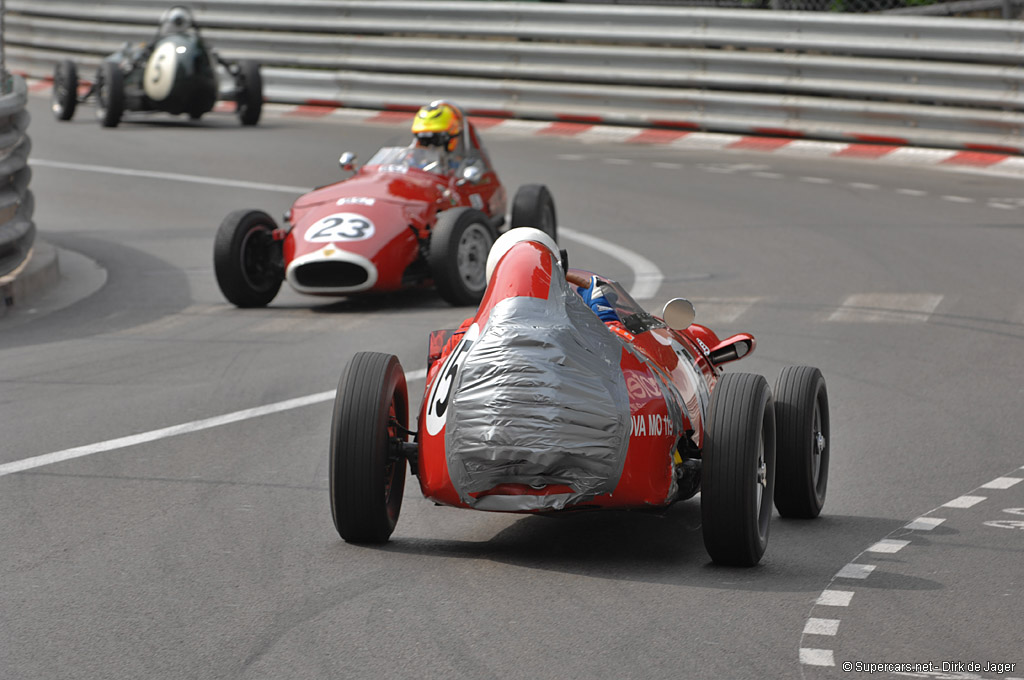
(256, 265)
(818, 446)
(393, 466)
(471, 258)
(761, 482)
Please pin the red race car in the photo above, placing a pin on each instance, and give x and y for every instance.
(562, 394)
(417, 215)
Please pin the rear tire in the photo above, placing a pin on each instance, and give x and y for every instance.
(65, 90)
(459, 244)
(534, 207)
(247, 260)
(801, 416)
(250, 92)
(109, 94)
(367, 478)
(738, 471)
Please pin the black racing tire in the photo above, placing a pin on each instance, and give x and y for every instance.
(459, 244)
(249, 84)
(109, 94)
(64, 99)
(738, 470)
(802, 442)
(367, 476)
(247, 260)
(534, 207)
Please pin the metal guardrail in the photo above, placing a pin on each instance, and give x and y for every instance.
(906, 79)
(17, 232)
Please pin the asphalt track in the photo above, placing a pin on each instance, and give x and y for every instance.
(209, 552)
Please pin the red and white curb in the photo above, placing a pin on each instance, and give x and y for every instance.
(840, 591)
(993, 160)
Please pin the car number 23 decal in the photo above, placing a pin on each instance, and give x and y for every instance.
(340, 227)
(443, 387)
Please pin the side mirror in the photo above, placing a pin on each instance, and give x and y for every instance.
(678, 313)
(348, 161)
(732, 348)
(471, 174)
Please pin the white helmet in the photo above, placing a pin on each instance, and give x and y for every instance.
(518, 235)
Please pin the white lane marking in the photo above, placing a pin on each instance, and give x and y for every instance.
(964, 502)
(767, 175)
(911, 192)
(924, 523)
(816, 657)
(878, 307)
(1001, 483)
(835, 598)
(821, 626)
(816, 180)
(958, 199)
(172, 176)
(862, 185)
(888, 545)
(1006, 524)
(1014, 511)
(174, 430)
(647, 277)
(852, 570)
(667, 166)
(1002, 206)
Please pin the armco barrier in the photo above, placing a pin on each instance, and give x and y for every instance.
(934, 81)
(17, 232)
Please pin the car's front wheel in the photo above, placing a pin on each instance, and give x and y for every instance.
(367, 472)
(738, 470)
(109, 94)
(247, 261)
(459, 244)
(65, 90)
(801, 416)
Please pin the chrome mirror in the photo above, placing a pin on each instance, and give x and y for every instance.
(348, 161)
(471, 174)
(678, 313)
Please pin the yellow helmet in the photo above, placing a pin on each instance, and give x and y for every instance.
(437, 124)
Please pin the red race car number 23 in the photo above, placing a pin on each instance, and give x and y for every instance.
(441, 391)
(340, 227)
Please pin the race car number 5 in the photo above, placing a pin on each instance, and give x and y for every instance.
(340, 227)
(441, 390)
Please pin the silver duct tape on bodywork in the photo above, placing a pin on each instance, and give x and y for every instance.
(540, 400)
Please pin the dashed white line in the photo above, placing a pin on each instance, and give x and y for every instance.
(862, 185)
(617, 161)
(911, 192)
(174, 430)
(816, 657)
(958, 199)
(964, 502)
(570, 157)
(876, 307)
(852, 570)
(767, 175)
(1001, 483)
(924, 523)
(821, 626)
(835, 598)
(888, 545)
(667, 166)
(816, 180)
(1002, 206)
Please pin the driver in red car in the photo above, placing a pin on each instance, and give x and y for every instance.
(439, 124)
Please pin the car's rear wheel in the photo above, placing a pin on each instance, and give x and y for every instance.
(249, 85)
(534, 207)
(801, 417)
(459, 244)
(247, 261)
(109, 94)
(738, 470)
(64, 98)
(367, 472)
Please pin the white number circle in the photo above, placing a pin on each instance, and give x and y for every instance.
(158, 80)
(340, 227)
(441, 391)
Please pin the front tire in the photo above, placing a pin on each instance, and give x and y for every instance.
(109, 94)
(738, 471)
(249, 84)
(801, 415)
(247, 260)
(65, 90)
(459, 245)
(367, 475)
(534, 207)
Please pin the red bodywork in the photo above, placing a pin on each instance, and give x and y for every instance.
(654, 359)
(371, 231)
